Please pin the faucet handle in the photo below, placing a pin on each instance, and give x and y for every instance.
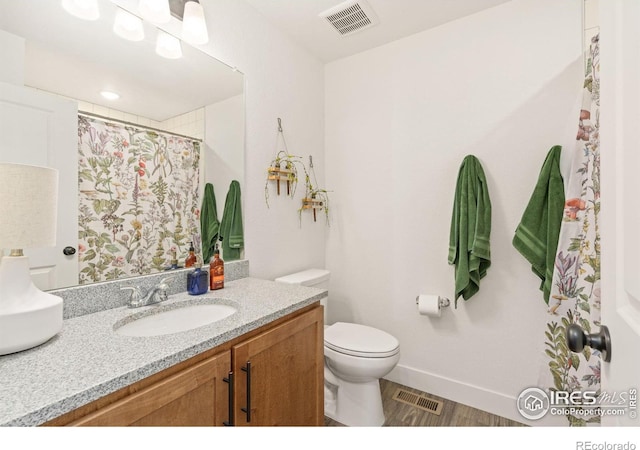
(163, 283)
(164, 286)
(136, 293)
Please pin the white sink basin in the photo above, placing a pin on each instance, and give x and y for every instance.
(180, 318)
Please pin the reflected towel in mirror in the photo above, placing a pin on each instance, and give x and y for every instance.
(231, 231)
(209, 223)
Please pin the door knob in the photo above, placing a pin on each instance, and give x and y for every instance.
(69, 251)
(577, 340)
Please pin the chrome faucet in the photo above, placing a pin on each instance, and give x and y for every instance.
(156, 294)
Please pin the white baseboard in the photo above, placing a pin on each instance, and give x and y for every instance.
(477, 397)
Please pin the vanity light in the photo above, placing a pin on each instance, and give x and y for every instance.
(28, 208)
(128, 26)
(194, 27)
(110, 95)
(168, 46)
(84, 9)
(156, 11)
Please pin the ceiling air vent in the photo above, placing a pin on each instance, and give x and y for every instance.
(350, 17)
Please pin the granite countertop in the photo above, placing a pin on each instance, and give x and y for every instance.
(88, 360)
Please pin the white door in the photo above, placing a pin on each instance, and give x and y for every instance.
(620, 176)
(41, 129)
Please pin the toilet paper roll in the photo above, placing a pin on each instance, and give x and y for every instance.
(429, 305)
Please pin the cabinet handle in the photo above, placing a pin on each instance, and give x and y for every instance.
(229, 380)
(247, 410)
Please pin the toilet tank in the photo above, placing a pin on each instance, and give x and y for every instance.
(317, 278)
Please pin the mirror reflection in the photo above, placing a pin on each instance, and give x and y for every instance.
(136, 165)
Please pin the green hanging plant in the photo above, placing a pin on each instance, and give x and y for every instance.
(315, 198)
(283, 169)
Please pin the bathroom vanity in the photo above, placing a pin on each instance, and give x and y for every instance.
(262, 365)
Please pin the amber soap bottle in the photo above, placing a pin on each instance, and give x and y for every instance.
(216, 271)
(191, 258)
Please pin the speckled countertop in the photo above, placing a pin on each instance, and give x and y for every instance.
(88, 359)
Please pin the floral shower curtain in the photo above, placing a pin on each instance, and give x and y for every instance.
(138, 199)
(575, 295)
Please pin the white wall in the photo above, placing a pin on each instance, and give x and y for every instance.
(502, 85)
(224, 146)
(12, 57)
(281, 80)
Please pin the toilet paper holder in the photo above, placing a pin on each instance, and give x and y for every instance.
(442, 301)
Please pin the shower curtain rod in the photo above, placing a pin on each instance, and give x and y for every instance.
(124, 122)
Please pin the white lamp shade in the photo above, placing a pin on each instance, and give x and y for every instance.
(168, 46)
(128, 26)
(84, 9)
(156, 11)
(28, 206)
(194, 27)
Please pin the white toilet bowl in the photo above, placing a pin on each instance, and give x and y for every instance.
(356, 357)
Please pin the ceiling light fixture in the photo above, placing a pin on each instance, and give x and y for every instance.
(194, 27)
(109, 95)
(168, 46)
(128, 26)
(84, 9)
(156, 11)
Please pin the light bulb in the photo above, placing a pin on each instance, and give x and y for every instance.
(83, 9)
(156, 11)
(168, 46)
(194, 27)
(128, 26)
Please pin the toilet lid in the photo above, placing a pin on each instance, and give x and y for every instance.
(360, 340)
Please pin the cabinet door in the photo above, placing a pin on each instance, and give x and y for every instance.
(279, 374)
(196, 396)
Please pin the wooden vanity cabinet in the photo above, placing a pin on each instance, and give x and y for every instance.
(195, 396)
(279, 374)
(271, 376)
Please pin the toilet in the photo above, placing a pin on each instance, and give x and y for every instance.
(355, 358)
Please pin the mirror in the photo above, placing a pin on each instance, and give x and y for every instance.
(195, 96)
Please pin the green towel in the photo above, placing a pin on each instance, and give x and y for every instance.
(209, 224)
(231, 232)
(539, 229)
(469, 247)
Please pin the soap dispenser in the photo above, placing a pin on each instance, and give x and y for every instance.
(197, 280)
(191, 258)
(216, 271)
(174, 260)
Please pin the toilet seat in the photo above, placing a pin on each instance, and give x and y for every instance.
(360, 341)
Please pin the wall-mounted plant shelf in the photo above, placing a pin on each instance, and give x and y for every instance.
(313, 204)
(284, 168)
(277, 174)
